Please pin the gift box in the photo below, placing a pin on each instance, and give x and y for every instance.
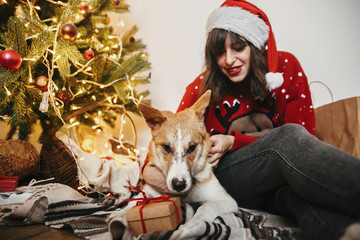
(153, 216)
(8, 183)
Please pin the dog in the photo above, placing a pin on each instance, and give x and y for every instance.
(179, 149)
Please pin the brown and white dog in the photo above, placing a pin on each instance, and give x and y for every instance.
(179, 148)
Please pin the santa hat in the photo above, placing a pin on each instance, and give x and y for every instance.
(248, 21)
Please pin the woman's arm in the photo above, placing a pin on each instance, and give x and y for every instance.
(155, 178)
(293, 99)
(220, 144)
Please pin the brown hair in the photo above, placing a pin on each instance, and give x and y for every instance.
(215, 80)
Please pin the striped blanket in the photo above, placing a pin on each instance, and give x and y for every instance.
(98, 218)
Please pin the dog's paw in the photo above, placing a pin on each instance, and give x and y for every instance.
(189, 230)
(119, 214)
(193, 222)
(118, 225)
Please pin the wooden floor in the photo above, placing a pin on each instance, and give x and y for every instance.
(38, 232)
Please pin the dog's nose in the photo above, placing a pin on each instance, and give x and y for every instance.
(178, 185)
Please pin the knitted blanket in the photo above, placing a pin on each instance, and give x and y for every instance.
(92, 218)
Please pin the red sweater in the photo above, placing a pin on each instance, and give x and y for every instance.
(239, 114)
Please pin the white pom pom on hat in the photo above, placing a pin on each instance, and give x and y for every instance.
(248, 21)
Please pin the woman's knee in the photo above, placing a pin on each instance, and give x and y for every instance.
(291, 128)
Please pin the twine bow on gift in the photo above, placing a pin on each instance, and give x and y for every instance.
(145, 201)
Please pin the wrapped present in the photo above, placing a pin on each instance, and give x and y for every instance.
(154, 214)
(8, 183)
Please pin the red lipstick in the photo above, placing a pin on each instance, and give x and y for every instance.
(234, 70)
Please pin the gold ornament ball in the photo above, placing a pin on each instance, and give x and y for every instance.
(41, 81)
(69, 31)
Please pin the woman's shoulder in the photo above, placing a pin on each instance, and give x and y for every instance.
(197, 82)
(291, 70)
(287, 58)
(194, 86)
(285, 54)
(191, 94)
(289, 65)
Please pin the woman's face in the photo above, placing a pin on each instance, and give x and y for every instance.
(234, 61)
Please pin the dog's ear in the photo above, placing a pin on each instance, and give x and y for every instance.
(152, 116)
(201, 104)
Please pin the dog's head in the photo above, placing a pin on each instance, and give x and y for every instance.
(179, 144)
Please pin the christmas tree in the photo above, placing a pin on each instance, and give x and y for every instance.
(61, 58)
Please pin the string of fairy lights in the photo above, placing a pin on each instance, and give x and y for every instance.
(85, 69)
(50, 59)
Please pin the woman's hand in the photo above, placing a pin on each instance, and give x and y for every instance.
(220, 144)
(155, 178)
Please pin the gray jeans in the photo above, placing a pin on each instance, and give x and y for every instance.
(322, 176)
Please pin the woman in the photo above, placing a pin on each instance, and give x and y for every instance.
(262, 122)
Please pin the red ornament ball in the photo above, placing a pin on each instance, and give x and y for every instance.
(64, 96)
(132, 39)
(69, 31)
(89, 54)
(83, 8)
(10, 59)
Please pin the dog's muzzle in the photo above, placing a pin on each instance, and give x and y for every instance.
(178, 185)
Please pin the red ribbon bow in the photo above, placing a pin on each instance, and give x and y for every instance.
(145, 201)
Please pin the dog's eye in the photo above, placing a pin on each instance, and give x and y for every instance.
(166, 148)
(191, 149)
